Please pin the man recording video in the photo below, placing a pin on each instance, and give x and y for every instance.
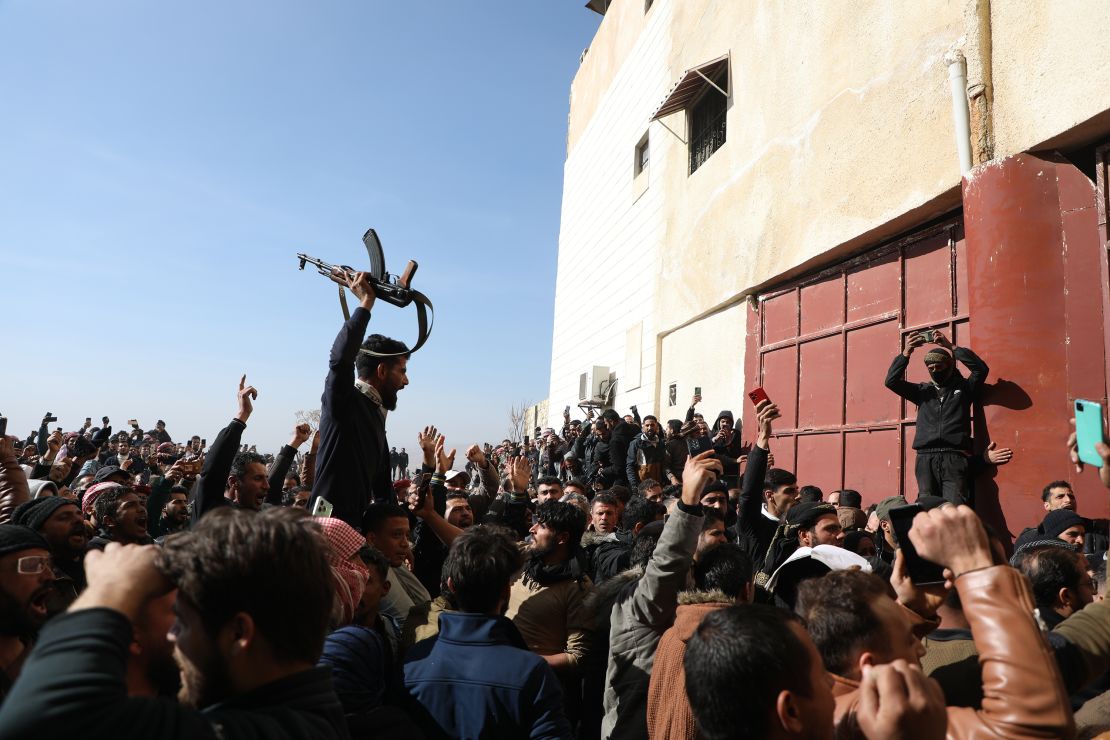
(352, 464)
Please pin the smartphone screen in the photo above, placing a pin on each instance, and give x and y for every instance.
(1088, 431)
(697, 390)
(922, 572)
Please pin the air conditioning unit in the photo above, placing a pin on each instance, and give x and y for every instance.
(593, 384)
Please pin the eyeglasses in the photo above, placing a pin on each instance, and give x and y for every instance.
(32, 565)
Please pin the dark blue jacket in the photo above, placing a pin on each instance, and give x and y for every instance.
(352, 464)
(476, 679)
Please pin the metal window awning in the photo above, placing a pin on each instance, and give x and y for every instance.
(690, 85)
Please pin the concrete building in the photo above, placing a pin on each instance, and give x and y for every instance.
(775, 194)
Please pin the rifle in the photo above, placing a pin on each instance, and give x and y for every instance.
(393, 289)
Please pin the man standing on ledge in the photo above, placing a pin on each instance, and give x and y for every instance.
(352, 465)
(942, 439)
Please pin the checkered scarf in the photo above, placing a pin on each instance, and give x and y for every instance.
(349, 575)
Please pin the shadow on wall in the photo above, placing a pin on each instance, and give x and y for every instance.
(985, 493)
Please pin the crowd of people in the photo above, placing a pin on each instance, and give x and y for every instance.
(621, 578)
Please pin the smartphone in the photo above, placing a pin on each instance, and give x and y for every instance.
(697, 390)
(698, 445)
(3, 425)
(88, 420)
(525, 439)
(922, 572)
(322, 508)
(566, 411)
(133, 422)
(758, 396)
(1088, 431)
(203, 443)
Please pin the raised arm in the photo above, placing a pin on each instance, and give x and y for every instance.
(341, 364)
(13, 482)
(896, 375)
(656, 596)
(751, 491)
(208, 492)
(1023, 692)
(283, 461)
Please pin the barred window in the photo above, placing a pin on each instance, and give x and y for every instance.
(707, 123)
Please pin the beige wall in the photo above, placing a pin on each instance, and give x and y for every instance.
(1051, 68)
(839, 135)
(708, 354)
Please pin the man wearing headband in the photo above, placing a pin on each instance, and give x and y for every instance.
(942, 438)
(364, 377)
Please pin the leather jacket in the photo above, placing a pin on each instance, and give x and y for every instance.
(1023, 692)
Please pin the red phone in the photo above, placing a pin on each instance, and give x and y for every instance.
(758, 396)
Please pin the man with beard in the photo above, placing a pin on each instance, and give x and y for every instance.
(253, 603)
(647, 455)
(545, 603)
(122, 518)
(174, 516)
(231, 477)
(60, 523)
(151, 669)
(26, 584)
(352, 465)
(942, 438)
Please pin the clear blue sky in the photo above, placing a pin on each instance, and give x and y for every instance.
(161, 163)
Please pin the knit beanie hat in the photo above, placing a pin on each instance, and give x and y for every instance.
(14, 538)
(34, 513)
(937, 355)
(1057, 521)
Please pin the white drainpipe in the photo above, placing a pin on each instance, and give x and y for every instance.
(961, 116)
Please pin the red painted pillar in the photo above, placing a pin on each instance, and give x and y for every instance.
(1036, 305)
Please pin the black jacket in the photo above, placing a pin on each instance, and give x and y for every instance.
(943, 414)
(620, 438)
(755, 530)
(352, 464)
(89, 649)
(208, 491)
(653, 453)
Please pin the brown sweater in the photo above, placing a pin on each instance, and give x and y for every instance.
(668, 710)
(550, 618)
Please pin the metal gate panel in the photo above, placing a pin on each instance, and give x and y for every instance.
(780, 380)
(824, 344)
(820, 458)
(872, 288)
(821, 382)
(823, 305)
(867, 402)
(928, 282)
(872, 463)
(780, 317)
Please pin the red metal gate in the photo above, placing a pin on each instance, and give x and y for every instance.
(821, 348)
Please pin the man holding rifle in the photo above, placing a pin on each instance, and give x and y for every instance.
(352, 465)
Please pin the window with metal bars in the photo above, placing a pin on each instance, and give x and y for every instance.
(707, 123)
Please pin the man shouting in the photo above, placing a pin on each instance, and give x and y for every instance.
(352, 464)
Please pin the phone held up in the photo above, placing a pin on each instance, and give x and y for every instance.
(697, 390)
(1088, 431)
(3, 425)
(922, 572)
(322, 508)
(758, 396)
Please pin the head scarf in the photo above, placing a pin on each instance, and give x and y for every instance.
(349, 575)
